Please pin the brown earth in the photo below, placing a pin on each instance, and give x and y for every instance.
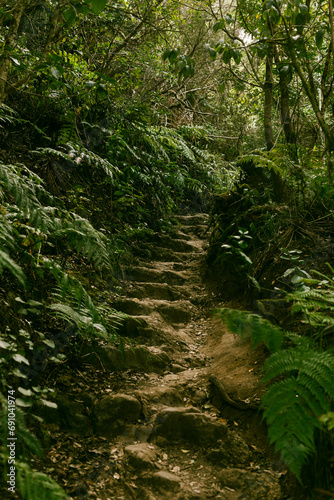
(176, 416)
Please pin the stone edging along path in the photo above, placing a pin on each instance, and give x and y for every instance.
(176, 415)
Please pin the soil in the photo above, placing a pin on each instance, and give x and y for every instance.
(177, 415)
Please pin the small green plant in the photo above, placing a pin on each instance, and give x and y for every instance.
(315, 301)
(234, 251)
(296, 273)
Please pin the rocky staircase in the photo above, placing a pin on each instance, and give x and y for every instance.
(158, 431)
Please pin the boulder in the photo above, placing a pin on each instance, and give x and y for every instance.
(112, 413)
(141, 455)
(262, 485)
(188, 424)
(165, 481)
(72, 416)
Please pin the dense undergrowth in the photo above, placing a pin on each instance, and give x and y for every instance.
(273, 242)
(102, 140)
(73, 208)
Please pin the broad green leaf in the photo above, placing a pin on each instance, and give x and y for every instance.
(227, 55)
(166, 54)
(49, 404)
(56, 72)
(303, 9)
(181, 65)
(97, 6)
(274, 15)
(23, 403)
(173, 55)
(89, 84)
(69, 15)
(49, 343)
(319, 38)
(236, 55)
(25, 392)
(20, 359)
(219, 25)
(211, 51)
(300, 19)
(102, 91)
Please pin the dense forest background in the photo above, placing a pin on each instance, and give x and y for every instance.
(115, 116)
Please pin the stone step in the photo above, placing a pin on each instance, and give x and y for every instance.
(177, 245)
(160, 291)
(133, 357)
(144, 274)
(162, 254)
(199, 230)
(176, 312)
(180, 235)
(191, 220)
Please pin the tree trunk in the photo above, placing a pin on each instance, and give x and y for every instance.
(5, 59)
(289, 132)
(268, 100)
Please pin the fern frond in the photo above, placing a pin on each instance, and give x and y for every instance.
(256, 327)
(33, 484)
(74, 305)
(84, 238)
(6, 262)
(7, 115)
(292, 405)
(317, 302)
(27, 189)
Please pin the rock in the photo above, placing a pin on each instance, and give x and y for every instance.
(199, 397)
(176, 314)
(145, 274)
(232, 451)
(133, 358)
(175, 368)
(113, 412)
(141, 455)
(166, 481)
(132, 307)
(158, 291)
(189, 220)
(72, 418)
(177, 245)
(256, 485)
(188, 424)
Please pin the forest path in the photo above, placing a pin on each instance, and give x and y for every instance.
(176, 416)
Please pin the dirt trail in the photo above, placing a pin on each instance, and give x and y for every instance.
(176, 417)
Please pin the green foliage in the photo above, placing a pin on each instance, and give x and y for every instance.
(300, 390)
(30, 483)
(33, 484)
(252, 326)
(292, 405)
(75, 306)
(315, 300)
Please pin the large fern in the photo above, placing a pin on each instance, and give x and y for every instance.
(30, 483)
(292, 406)
(8, 245)
(316, 301)
(84, 238)
(72, 303)
(253, 326)
(300, 388)
(270, 160)
(33, 484)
